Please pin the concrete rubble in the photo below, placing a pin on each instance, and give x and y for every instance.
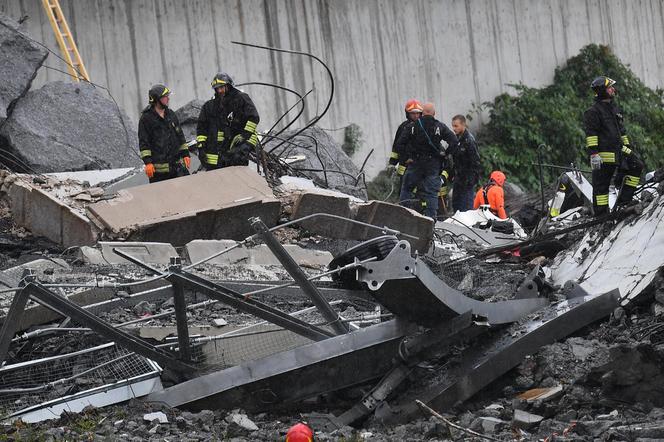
(231, 304)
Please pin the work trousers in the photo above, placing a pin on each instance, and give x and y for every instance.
(463, 197)
(628, 173)
(423, 176)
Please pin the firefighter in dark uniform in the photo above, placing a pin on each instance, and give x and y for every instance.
(226, 131)
(161, 142)
(413, 111)
(420, 143)
(466, 167)
(609, 148)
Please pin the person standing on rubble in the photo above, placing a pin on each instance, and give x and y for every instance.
(413, 111)
(226, 131)
(161, 142)
(466, 167)
(492, 195)
(420, 143)
(609, 148)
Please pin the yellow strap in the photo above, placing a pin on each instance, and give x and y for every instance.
(592, 141)
(394, 155)
(625, 139)
(443, 191)
(253, 139)
(250, 127)
(602, 200)
(162, 167)
(608, 157)
(201, 138)
(146, 153)
(212, 159)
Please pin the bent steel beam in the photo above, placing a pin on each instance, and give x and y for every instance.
(284, 378)
(483, 364)
(408, 288)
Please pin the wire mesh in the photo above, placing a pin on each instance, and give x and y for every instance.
(31, 383)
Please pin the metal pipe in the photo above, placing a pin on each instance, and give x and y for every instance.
(541, 173)
(567, 168)
(299, 276)
(181, 314)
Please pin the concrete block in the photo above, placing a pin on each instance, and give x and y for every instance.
(524, 420)
(12, 276)
(148, 252)
(395, 217)
(206, 205)
(202, 248)
(324, 201)
(43, 214)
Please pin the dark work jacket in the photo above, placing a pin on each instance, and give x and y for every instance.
(466, 160)
(160, 140)
(420, 141)
(603, 124)
(396, 156)
(222, 118)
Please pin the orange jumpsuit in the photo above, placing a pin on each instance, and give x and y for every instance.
(495, 198)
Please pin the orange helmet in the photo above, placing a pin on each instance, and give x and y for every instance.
(300, 432)
(413, 105)
(498, 177)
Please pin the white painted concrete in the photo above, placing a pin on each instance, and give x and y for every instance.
(382, 52)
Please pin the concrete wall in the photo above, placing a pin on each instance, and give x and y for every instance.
(382, 52)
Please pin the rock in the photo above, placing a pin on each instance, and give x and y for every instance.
(219, 322)
(144, 308)
(188, 117)
(156, 416)
(78, 129)
(240, 425)
(525, 420)
(20, 60)
(324, 153)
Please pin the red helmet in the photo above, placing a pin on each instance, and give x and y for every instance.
(300, 432)
(413, 105)
(498, 177)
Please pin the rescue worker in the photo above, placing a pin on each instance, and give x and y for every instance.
(226, 131)
(413, 111)
(300, 432)
(466, 166)
(609, 148)
(161, 142)
(423, 153)
(492, 194)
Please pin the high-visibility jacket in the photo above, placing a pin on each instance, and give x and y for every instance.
(605, 131)
(493, 195)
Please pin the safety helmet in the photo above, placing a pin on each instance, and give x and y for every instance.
(600, 84)
(157, 91)
(413, 105)
(300, 432)
(221, 79)
(498, 177)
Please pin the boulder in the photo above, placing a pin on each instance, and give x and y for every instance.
(188, 117)
(67, 127)
(20, 58)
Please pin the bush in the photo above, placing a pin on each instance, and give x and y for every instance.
(352, 139)
(553, 116)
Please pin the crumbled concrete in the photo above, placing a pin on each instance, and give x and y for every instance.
(67, 127)
(156, 416)
(232, 195)
(524, 420)
(20, 59)
(148, 252)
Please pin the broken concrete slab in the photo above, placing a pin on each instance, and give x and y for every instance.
(69, 126)
(525, 421)
(148, 252)
(11, 277)
(259, 255)
(45, 215)
(97, 178)
(378, 213)
(20, 58)
(210, 205)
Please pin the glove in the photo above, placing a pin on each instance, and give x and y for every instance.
(187, 162)
(149, 170)
(443, 191)
(595, 161)
(401, 169)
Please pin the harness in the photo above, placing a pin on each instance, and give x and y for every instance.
(485, 192)
(419, 121)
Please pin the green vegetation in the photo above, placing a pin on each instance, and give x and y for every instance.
(352, 139)
(553, 116)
